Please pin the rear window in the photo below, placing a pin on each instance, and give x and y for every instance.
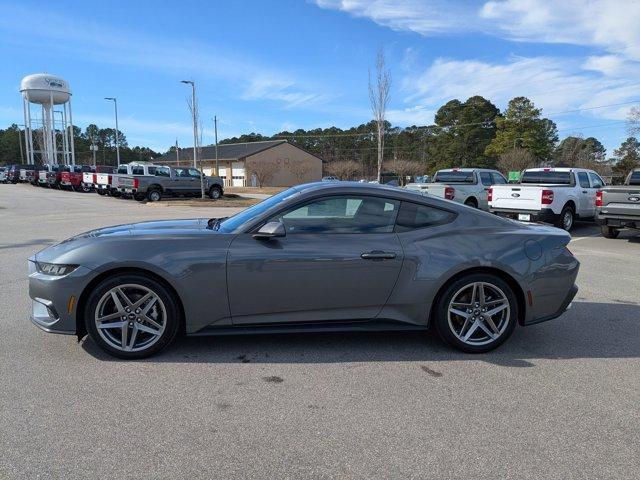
(561, 178)
(634, 179)
(413, 216)
(454, 177)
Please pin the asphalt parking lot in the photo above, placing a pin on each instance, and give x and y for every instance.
(559, 400)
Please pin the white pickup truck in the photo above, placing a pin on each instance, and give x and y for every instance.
(551, 195)
(463, 185)
(107, 183)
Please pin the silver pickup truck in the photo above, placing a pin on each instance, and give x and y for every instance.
(180, 181)
(619, 207)
(463, 185)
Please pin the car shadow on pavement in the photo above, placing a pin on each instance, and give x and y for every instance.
(587, 330)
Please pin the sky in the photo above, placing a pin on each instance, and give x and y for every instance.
(267, 66)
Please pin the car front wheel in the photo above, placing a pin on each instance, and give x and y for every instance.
(476, 313)
(215, 193)
(131, 316)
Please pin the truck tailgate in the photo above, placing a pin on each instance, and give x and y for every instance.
(102, 178)
(435, 189)
(87, 177)
(516, 197)
(621, 201)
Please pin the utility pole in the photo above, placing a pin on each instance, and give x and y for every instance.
(177, 154)
(115, 106)
(215, 130)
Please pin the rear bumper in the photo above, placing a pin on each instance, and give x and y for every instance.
(545, 215)
(618, 221)
(564, 306)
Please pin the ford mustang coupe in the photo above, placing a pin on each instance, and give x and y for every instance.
(329, 256)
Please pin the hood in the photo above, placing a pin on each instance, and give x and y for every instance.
(59, 251)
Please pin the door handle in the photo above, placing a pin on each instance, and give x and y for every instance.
(584, 191)
(378, 255)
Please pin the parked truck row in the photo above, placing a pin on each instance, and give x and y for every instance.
(138, 181)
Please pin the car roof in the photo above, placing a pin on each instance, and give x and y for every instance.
(558, 169)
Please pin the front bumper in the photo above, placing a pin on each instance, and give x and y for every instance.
(55, 299)
(545, 215)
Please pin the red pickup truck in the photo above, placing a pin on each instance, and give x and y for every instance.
(72, 178)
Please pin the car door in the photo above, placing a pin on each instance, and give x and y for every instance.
(339, 261)
(180, 181)
(586, 200)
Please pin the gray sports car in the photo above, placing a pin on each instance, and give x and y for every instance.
(330, 256)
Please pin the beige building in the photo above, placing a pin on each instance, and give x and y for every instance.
(273, 163)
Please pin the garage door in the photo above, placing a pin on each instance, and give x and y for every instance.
(237, 169)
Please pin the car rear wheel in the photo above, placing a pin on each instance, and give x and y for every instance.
(609, 232)
(154, 195)
(131, 316)
(566, 219)
(471, 202)
(215, 192)
(476, 313)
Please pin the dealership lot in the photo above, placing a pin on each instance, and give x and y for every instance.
(559, 399)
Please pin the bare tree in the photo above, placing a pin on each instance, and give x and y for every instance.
(633, 121)
(299, 168)
(516, 160)
(264, 171)
(195, 112)
(379, 97)
(404, 169)
(344, 170)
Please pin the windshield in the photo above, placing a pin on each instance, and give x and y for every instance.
(634, 179)
(547, 176)
(230, 224)
(454, 177)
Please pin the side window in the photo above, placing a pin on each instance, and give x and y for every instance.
(596, 181)
(162, 172)
(137, 170)
(122, 169)
(498, 179)
(413, 216)
(151, 170)
(584, 180)
(194, 173)
(485, 178)
(343, 214)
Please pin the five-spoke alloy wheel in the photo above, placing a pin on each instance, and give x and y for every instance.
(476, 313)
(131, 316)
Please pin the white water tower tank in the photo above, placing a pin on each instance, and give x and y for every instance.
(49, 133)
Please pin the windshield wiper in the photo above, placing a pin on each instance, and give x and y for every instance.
(214, 223)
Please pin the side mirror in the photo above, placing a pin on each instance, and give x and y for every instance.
(270, 230)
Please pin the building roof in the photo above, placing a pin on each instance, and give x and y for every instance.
(227, 151)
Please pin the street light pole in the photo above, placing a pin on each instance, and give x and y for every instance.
(115, 106)
(215, 129)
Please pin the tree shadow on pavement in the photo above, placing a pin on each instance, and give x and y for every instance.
(587, 330)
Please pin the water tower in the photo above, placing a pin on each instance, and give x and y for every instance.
(48, 129)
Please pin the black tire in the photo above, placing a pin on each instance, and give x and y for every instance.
(154, 195)
(172, 320)
(101, 192)
(441, 313)
(609, 232)
(215, 192)
(566, 219)
(471, 202)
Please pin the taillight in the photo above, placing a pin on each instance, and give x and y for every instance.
(135, 183)
(490, 194)
(449, 193)
(599, 198)
(547, 197)
(95, 178)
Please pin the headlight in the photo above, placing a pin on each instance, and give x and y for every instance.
(55, 269)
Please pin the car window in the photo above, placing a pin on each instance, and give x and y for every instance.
(163, 172)
(596, 181)
(137, 170)
(485, 178)
(498, 179)
(194, 173)
(634, 178)
(454, 176)
(550, 177)
(413, 216)
(122, 169)
(583, 178)
(341, 214)
(151, 170)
